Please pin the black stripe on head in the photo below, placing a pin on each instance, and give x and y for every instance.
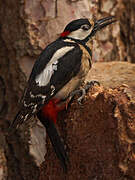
(76, 24)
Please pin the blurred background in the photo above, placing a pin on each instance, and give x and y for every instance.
(28, 26)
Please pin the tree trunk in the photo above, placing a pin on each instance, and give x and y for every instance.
(16, 163)
(126, 16)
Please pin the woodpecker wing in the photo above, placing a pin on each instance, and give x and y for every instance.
(54, 68)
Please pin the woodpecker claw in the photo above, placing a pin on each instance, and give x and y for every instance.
(73, 93)
(83, 91)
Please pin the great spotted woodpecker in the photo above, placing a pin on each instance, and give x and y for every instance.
(59, 70)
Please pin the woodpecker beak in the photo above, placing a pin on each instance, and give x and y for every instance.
(101, 23)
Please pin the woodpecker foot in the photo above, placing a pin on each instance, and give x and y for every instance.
(83, 91)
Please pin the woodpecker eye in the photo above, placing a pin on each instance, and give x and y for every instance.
(85, 27)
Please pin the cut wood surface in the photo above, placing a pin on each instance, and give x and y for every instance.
(100, 138)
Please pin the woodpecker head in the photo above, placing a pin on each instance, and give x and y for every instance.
(84, 29)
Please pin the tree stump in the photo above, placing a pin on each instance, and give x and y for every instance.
(100, 138)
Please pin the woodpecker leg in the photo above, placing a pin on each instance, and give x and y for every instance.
(83, 91)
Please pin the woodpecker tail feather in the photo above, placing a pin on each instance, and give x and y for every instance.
(55, 140)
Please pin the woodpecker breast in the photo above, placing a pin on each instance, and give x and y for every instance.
(76, 81)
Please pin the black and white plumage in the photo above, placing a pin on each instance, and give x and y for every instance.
(55, 67)
(60, 68)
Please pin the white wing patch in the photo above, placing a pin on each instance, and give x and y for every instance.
(44, 77)
(27, 105)
(53, 89)
(38, 95)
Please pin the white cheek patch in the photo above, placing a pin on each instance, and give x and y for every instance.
(80, 34)
(44, 77)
